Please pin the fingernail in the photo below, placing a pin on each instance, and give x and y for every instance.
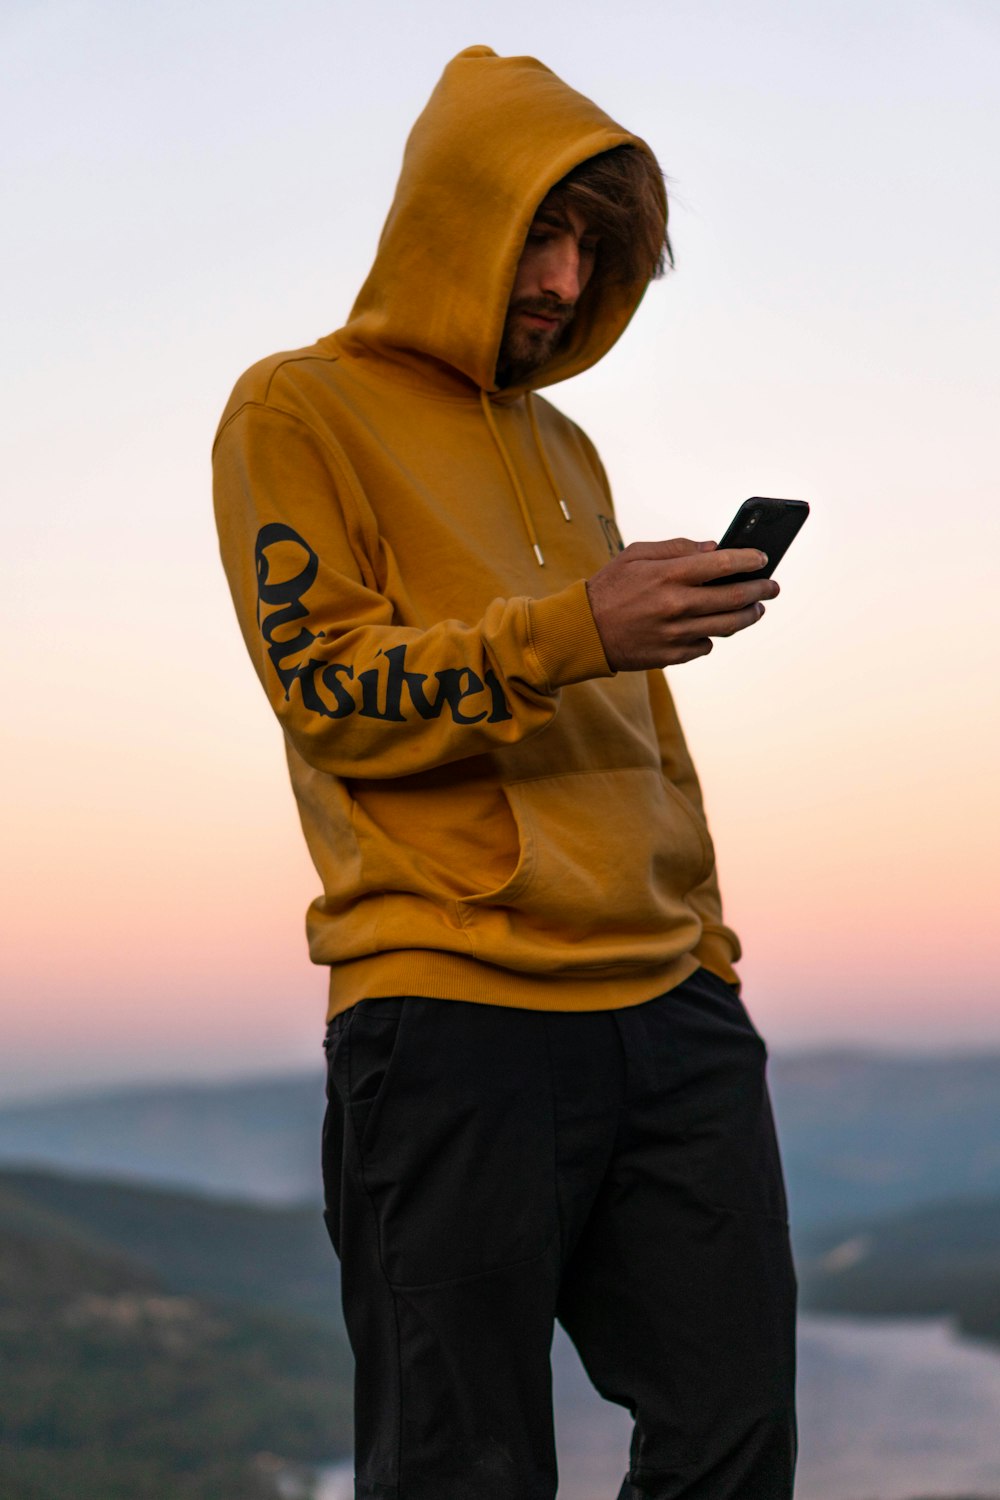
(760, 610)
(763, 559)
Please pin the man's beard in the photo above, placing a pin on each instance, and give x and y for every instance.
(525, 349)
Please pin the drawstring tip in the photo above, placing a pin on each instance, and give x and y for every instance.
(538, 554)
(565, 510)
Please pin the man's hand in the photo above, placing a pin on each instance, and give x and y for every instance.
(652, 609)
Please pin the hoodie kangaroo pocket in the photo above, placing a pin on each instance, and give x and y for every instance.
(604, 855)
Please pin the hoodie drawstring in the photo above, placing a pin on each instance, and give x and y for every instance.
(515, 482)
(545, 458)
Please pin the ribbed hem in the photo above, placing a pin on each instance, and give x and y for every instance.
(449, 976)
(565, 638)
(714, 952)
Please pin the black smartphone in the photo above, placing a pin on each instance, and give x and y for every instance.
(771, 525)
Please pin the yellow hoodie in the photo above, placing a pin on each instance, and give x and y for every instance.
(495, 816)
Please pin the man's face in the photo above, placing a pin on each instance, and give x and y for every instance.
(555, 266)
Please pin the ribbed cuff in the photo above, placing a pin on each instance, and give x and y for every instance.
(565, 639)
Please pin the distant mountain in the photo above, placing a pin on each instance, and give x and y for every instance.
(865, 1134)
(157, 1345)
(257, 1255)
(941, 1259)
(122, 1374)
(862, 1133)
(257, 1138)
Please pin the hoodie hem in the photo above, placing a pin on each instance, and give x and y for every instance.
(450, 976)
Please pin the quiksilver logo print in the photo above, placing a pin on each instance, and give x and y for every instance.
(385, 690)
(612, 535)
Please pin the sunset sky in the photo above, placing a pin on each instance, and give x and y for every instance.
(189, 187)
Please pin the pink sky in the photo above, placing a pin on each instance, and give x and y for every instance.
(831, 333)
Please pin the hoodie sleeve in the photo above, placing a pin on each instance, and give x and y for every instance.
(718, 947)
(356, 693)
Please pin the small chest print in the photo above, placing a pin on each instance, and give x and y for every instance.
(612, 535)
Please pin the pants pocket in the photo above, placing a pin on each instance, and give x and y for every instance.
(704, 1090)
(454, 1124)
(369, 1044)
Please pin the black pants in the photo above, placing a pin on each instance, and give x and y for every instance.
(489, 1170)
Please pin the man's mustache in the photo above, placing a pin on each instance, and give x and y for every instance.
(545, 307)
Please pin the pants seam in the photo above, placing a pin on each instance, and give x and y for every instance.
(406, 1287)
(398, 1352)
(559, 1233)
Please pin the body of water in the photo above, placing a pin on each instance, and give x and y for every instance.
(888, 1410)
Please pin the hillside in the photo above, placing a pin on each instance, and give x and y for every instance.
(124, 1378)
(943, 1258)
(260, 1255)
(159, 1345)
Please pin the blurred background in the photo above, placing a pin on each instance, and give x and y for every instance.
(191, 187)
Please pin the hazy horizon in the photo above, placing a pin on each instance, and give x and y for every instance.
(79, 1083)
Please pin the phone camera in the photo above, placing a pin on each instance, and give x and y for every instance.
(753, 518)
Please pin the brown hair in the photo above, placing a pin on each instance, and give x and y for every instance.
(621, 195)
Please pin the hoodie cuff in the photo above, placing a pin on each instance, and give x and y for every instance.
(565, 639)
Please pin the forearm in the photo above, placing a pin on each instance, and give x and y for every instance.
(358, 692)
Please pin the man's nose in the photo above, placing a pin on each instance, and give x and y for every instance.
(561, 273)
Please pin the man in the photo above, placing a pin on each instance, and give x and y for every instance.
(545, 1097)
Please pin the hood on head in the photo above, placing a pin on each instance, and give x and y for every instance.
(495, 136)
